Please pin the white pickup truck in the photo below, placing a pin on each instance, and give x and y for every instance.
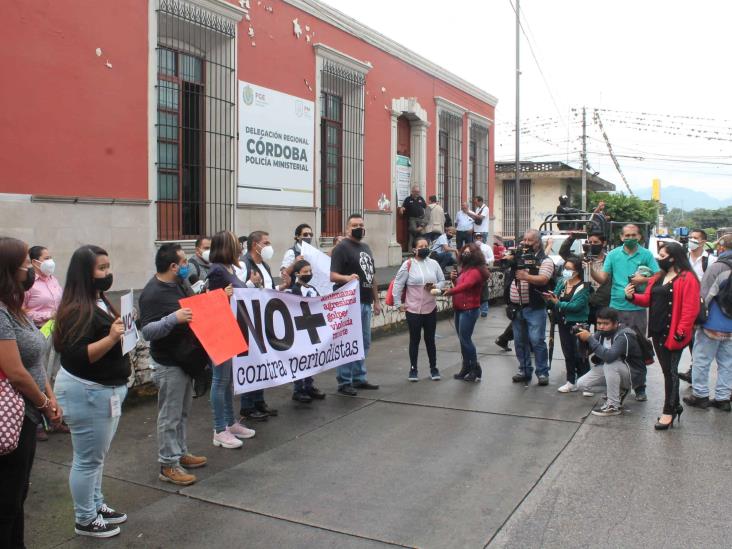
(557, 240)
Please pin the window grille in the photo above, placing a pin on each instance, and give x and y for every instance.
(195, 121)
(450, 161)
(509, 225)
(478, 168)
(341, 146)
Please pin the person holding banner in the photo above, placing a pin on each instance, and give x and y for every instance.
(91, 384)
(352, 260)
(304, 389)
(416, 278)
(466, 302)
(259, 251)
(177, 358)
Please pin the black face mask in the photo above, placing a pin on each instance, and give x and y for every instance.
(423, 252)
(306, 278)
(666, 263)
(103, 284)
(358, 233)
(307, 239)
(29, 279)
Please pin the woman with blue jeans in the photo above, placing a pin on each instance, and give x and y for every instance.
(222, 275)
(91, 384)
(466, 303)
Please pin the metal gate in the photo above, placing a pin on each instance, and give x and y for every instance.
(195, 121)
(509, 226)
(450, 166)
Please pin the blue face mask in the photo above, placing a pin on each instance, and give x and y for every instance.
(184, 271)
(567, 274)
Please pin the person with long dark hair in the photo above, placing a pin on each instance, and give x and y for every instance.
(228, 433)
(40, 304)
(416, 278)
(91, 384)
(570, 304)
(672, 296)
(21, 363)
(466, 302)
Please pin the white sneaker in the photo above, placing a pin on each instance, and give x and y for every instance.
(241, 431)
(226, 440)
(588, 394)
(568, 388)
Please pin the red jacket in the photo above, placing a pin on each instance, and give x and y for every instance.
(685, 308)
(467, 290)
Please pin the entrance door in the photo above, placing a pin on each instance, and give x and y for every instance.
(404, 148)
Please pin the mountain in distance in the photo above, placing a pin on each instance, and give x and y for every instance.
(686, 199)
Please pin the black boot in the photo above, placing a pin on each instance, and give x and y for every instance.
(474, 374)
(465, 370)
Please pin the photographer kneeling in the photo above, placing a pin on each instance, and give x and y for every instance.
(616, 354)
(531, 271)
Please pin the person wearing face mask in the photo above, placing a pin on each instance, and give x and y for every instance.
(304, 390)
(527, 311)
(40, 304)
(466, 303)
(593, 260)
(177, 358)
(303, 233)
(700, 260)
(91, 384)
(622, 265)
(617, 355)
(200, 263)
(353, 260)
(259, 275)
(21, 365)
(570, 303)
(416, 278)
(672, 297)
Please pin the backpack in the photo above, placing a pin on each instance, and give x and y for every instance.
(645, 345)
(390, 291)
(724, 297)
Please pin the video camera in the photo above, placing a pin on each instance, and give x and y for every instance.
(579, 327)
(591, 251)
(683, 235)
(522, 258)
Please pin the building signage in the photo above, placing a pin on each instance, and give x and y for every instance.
(275, 147)
(403, 177)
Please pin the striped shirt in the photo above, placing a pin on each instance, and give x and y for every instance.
(546, 269)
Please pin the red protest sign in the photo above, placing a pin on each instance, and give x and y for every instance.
(215, 326)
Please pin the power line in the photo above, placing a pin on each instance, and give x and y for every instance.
(610, 150)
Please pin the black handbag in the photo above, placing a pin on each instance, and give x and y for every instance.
(701, 318)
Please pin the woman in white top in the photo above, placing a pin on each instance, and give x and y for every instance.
(415, 279)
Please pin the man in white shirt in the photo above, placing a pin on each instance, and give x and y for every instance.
(445, 254)
(480, 218)
(464, 226)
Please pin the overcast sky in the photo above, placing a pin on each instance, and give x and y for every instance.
(668, 58)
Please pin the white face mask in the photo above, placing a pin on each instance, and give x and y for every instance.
(206, 255)
(267, 253)
(48, 267)
(693, 245)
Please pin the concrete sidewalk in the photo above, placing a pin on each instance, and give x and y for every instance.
(429, 464)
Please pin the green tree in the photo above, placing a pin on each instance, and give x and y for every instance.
(626, 209)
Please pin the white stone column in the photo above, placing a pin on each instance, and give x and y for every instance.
(419, 153)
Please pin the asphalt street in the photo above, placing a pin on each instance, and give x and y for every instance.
(429, 464)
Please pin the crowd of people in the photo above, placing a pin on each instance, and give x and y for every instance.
(61, 348)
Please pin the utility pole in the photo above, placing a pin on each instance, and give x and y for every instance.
(584, 159)
(517, 179)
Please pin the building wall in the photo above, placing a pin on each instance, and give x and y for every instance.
(545, 192)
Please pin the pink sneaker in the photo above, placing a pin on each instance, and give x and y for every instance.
(226, 440)
(241, 431)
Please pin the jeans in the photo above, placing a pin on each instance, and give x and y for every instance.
(463, 237)
(250, 400)
(418, 323)
(484, 308)
(175, 395)
(639, 319)
(616, 377)
(529, 332)
(706, 350)
(15, 469)
(464, 325)
(222, 397)
(577, 365)
(669, 361)
(302, 385)
(346, 374)
(445, 259)
(88, 414)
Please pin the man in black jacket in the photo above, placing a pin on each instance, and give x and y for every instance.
(177, 357)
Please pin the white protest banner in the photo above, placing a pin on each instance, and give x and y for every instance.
(320, 263)
(292, 337)
(276, 133)
(129, 340)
